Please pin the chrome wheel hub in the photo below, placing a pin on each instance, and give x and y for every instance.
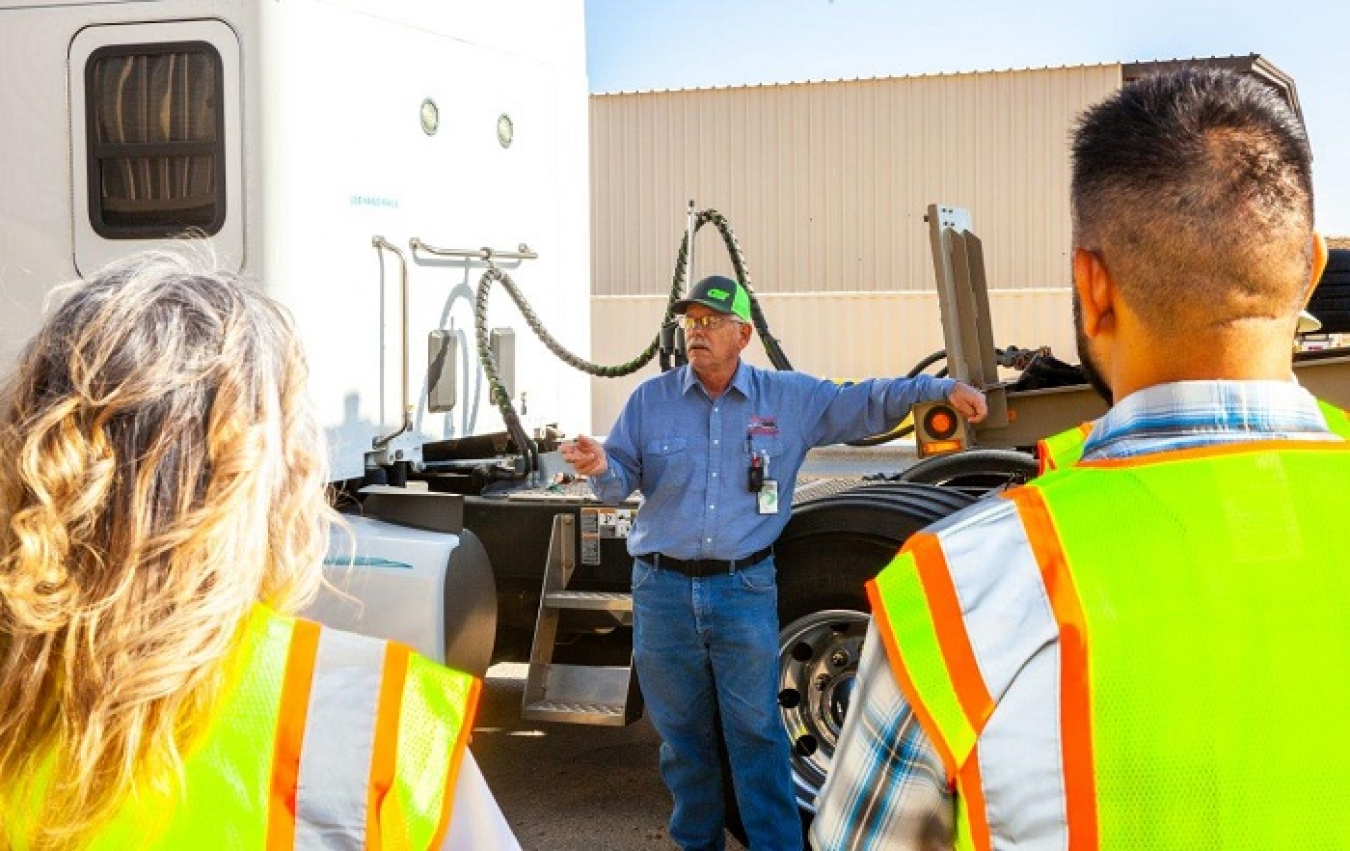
(817, 666)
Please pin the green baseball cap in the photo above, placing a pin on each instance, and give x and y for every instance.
(721, 294)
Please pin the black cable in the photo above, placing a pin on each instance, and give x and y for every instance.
(902, 431)
(771, 346)
(669, 359)
(925, 363)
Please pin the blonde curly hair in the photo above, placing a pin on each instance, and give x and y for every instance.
(160, 473)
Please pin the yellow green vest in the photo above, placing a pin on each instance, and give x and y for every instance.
(326, 739)
(1193, 608)
(1064, 449)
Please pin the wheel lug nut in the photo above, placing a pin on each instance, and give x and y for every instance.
(839, 658)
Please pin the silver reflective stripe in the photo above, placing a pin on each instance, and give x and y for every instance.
(1015, 638)
(330, 800)
(995, 574)
(1021, 763)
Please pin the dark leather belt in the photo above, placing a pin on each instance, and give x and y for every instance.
(700, 567)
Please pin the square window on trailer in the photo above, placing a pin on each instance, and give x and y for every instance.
(156, 153)
(155, 115)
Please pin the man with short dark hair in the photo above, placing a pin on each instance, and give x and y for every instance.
(715, 447)
(1139, 650)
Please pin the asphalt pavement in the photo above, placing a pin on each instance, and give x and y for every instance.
(568, 787)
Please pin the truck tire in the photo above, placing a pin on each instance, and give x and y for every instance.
(975, 471)
(829, 550)
(1330, 301)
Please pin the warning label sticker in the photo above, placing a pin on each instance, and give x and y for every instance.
(600, 523)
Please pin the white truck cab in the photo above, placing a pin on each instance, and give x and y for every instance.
(292, 135)
(360, 160)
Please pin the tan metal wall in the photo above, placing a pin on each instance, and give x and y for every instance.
(825, 185)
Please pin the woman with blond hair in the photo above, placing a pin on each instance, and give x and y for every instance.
(162, 512)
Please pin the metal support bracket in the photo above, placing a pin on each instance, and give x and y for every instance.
(963, 298)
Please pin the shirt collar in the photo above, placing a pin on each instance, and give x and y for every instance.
(740, 380)
(1216, 407)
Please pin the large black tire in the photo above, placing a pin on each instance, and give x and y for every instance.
(829, 550)
(975, 471)
(1331, 299)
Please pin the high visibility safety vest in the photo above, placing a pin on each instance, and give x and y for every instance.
(326, 740)
(1144, 653)
(1064, 449)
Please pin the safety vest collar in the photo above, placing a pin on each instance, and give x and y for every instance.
(1065, 449)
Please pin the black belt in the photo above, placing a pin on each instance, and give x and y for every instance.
(700, 567)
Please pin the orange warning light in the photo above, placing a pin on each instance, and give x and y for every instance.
(940, 423)
(940, 447)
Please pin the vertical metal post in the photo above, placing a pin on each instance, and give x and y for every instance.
(382, 244)
(690, 230)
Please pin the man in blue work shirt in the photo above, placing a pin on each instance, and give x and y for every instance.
(715, 447)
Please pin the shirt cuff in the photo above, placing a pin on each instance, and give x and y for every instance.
(938, 389)
(608, 477)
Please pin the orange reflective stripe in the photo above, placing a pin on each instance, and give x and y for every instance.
(1220, 449)
(1080, 785)
(972, 795)
(385, 750)
(887, 633)
(1045, 462)
(456, 757)
(950, 622)
(292, 713)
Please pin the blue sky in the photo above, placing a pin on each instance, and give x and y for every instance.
(635, 45)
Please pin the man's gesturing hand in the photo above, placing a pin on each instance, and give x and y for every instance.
(587, 456)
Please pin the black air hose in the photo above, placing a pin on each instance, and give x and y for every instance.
(497, 391)
(771, 347)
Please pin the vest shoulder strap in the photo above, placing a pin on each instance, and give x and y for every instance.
(1062, 450)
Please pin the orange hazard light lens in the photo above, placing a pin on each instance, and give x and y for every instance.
(940, 447)
(940, 423)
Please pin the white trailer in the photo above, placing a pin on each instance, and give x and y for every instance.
(359, 159)
(293, 134)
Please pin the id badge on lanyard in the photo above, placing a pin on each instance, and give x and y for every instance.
(764, 488)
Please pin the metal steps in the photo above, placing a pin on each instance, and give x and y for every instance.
(583, 694)
(604, 695)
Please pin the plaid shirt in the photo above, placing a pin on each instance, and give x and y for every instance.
(887, 787)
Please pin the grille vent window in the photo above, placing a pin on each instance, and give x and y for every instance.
(156, 146)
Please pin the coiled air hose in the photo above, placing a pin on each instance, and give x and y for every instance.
(496, 389)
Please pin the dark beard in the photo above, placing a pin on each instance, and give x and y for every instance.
(1094, 375)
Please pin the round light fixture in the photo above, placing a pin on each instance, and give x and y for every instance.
(941, 422)
(506, 130)
(431, 117)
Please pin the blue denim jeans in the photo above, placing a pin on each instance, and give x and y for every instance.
(713, 641)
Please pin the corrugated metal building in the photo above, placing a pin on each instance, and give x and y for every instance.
(826, 185)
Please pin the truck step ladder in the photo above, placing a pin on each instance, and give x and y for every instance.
(605, 695)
